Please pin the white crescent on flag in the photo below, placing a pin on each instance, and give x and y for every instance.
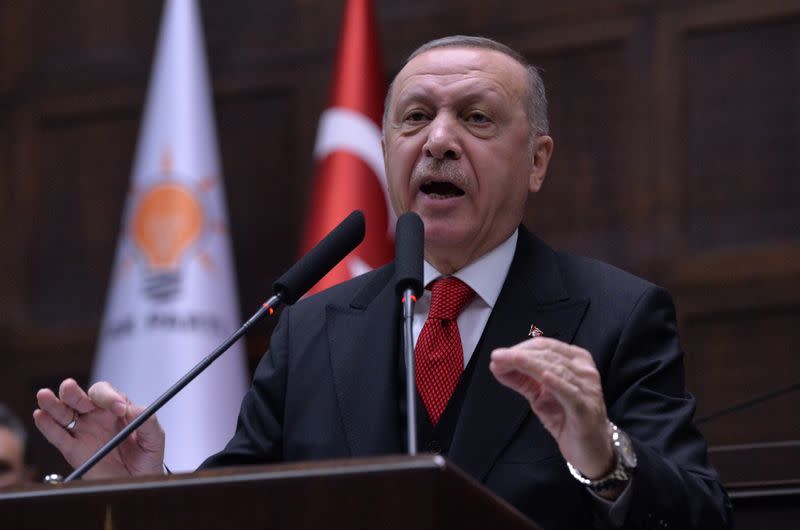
(346, 130)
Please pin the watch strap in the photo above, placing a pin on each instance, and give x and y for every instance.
(619, 475)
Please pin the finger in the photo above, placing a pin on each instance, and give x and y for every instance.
(53, 431)
(554, 345)
(107, 397)
(58, 411)
(528, 362)
(586, 371)
(564, 390)
(550, 372)
(72, 395)
(150, 434)
(523, 384)
(508, 375)
(578, 369)
(581, 405)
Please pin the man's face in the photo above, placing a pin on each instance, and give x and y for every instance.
(457, 150)
(12, 458)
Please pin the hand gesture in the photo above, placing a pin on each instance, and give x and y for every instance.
(562, 385)
(78, 424)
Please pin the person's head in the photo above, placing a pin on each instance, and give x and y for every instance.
(12, 448)
(465, 141)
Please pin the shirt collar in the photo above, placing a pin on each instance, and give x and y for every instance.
(487, 274)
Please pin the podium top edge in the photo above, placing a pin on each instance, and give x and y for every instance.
(240, 474)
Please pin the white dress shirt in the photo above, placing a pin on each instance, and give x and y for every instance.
(486, 277)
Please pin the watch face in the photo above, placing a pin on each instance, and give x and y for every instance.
(625, 463)
(626, 452)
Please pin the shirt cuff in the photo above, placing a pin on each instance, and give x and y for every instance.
(615, 511)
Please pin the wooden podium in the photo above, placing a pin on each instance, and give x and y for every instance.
(386, 493)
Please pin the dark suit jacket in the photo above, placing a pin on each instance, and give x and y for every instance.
(329, 388)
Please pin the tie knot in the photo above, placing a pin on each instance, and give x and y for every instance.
(449, 296)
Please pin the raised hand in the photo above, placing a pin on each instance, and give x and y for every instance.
(78, 424)
(562, 385)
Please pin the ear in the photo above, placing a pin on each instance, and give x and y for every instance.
(542, 152)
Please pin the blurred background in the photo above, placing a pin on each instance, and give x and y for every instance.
(677, 134)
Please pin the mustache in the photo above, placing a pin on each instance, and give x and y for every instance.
(439, 169)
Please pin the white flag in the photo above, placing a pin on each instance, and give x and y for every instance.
(172, 297)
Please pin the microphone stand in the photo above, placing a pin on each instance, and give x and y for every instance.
(408, 348)
(174, 389)
(409, 251)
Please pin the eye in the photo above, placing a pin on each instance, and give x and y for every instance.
(415, 116)
(478, 117)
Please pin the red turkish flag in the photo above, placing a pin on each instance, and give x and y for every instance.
(349, 174)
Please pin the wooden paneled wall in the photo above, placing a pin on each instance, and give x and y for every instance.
(677, 131)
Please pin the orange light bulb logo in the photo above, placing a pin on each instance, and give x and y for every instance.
(167, 221)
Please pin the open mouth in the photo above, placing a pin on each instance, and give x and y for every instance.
(441, 190)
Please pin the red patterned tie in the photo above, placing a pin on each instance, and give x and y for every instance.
(439, 356)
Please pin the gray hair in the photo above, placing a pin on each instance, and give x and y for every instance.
(10, 421)
(536, 98)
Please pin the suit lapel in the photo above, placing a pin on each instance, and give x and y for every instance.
(533, 294)
(362, 336)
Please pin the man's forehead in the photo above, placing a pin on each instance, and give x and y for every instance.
(463, 63)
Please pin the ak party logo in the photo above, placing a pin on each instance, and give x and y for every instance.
(170, 226)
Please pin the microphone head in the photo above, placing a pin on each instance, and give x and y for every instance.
(409, 242)
(310, 269)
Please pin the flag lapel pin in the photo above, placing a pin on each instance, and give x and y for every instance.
(535, 332)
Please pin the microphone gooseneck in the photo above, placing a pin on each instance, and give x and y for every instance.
(409, 242)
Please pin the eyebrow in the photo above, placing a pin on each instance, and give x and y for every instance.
(423, 96)
(414, 95)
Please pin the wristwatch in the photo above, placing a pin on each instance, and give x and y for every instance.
(624, 466)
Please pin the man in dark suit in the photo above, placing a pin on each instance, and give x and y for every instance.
(555, 380)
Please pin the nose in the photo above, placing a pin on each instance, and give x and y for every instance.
(443, 139)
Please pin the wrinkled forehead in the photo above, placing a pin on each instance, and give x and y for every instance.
(461, 67)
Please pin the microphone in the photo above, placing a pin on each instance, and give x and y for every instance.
(313, 266)
(409, 239)
(294, 283)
